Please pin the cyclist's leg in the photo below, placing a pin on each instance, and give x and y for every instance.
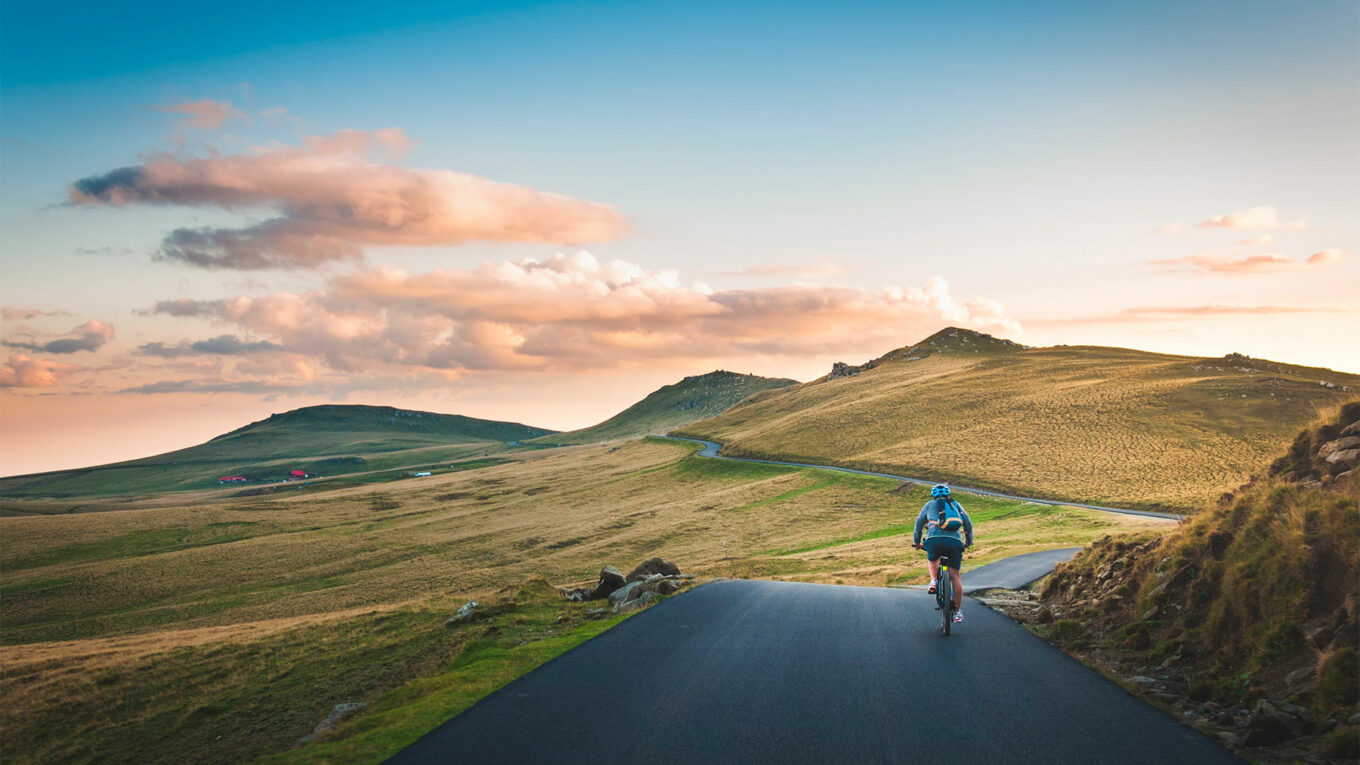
(955, 575)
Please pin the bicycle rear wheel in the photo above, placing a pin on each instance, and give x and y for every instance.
(946, 590)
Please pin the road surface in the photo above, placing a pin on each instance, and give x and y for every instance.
(711, 449)
(1010, 573)
(779, 672)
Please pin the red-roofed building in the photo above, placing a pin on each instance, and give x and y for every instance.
(232, 479)
(298, 474)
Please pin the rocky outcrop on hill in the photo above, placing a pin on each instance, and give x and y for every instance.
(645, 584)
(1245, 621)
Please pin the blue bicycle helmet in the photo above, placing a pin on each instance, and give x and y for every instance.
(939, 490)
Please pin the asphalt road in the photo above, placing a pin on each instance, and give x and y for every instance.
(711, 449)
(777, 672)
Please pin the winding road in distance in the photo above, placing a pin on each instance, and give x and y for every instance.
(783, 672)
(711, 449)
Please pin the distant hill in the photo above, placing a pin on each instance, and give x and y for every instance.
(1108, 425)
(326, 440)
(694, 398)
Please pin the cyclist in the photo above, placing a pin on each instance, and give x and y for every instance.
(943, 543)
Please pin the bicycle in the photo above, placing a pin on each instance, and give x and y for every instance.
(944, 595)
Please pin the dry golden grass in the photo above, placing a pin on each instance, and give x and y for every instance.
(161, 609)
(1098, 425)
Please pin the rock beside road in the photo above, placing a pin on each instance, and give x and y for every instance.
(339, 714)
(656, 577)
(653, 566)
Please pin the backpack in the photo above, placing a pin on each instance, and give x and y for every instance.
(950, 517)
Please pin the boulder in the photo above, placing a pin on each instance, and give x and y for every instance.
(464, 613)
(1271, 725)
(1301, 680)
(669, 587)
(1352, 429)
(339, 714)
(642, 601)
(1346, 458)
(1340, 444)
(652, 566)
(621, 594)
(611, 579)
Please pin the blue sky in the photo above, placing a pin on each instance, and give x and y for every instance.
(1035, 155)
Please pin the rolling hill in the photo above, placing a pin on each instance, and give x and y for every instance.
(317, 440)
(1105, 425)
(694, 398)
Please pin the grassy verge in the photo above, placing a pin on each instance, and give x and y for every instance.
(241, 695)
(513, 642)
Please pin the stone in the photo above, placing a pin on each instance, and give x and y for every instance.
(1142, 681)
(597, 613)
(642, 601)
(1340, 444)
(1352, 429)
(463, 614)
(621, 594)
(1044, 615)
(669, 587)
(1303, 680)
(1270, 725)
(1343, 459)
(1151, 614)
(611, 579)
(339, 714)
(652, 566)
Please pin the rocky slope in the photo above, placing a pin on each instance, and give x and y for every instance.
(1245, 621)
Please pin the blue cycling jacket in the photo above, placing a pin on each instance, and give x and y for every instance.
(929, 519)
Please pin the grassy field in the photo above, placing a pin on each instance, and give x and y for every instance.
(248, 618)
(672, 406)
(1100, 425)
(327, 440)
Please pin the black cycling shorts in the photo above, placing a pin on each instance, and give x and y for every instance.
(949, 549)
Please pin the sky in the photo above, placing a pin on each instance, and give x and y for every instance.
(540, 212)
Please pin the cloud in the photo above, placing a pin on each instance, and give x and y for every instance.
(90, 336)
(1326, 257)
(1260, 240)
(222, 345)
(1171, 313)
(184, 307)
(1255, 264)
(574, 312)
(797, 271)
(206, 114)
(332, 201)
(26, 314)
(1255, 219)
(22, 371)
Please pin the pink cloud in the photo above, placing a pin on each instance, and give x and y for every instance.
(90, 336)
(206, 114)
(1326, 257)
(1139, 314)
(22, 371)
(1256, 241)
(1255, 219)
(333, 200)
(574, 312)
(794, 270)
(26, 314)
(1255, 264)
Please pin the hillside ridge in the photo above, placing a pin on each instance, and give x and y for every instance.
(693, 398)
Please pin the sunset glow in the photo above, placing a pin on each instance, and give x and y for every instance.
(539, 213)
